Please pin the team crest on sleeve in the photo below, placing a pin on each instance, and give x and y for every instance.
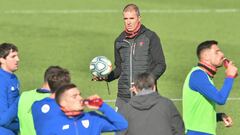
(45, 108)
(85, 123)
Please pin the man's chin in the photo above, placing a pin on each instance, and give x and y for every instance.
(130, 30)
(15, 69)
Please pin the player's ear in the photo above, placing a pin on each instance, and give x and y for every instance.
(134, 89)
(2, 60)
(63, 103)
(154, 87)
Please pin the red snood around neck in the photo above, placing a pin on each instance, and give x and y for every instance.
(209, 69)
(71, 113)
(132, 34)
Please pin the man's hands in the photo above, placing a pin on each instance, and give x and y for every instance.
(93, 102)
(231, 70)
(95, 78)
(227, 120)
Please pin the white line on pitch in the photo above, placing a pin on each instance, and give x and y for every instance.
(78, 11)
(179, 99)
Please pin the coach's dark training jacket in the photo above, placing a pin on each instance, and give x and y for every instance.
(141, 54)
(152, 114)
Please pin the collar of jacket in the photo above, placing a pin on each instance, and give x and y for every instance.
(42, 90)
(122, 36)
(145, 92)
(140, 31)
(6, 74)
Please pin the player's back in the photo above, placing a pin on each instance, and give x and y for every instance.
(44, 112)
(24, 109)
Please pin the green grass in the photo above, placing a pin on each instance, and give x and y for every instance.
(71, 40)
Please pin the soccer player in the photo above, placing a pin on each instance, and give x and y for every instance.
(200, 96)
(44, 110)
(73, 120)
(9, 89)
(28, 97)
(148, 113)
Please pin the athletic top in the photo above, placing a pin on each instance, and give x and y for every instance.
(87, 123)
(9, 95)
(199, 98)
(24, 109)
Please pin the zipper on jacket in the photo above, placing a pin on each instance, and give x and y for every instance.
(76, 127)
(130, 64)
(134, 46)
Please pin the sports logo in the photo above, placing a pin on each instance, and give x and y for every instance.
(12, 88)
(141, 43)
(65, 127)
(116, 109)
(45, 108)
(85, 123)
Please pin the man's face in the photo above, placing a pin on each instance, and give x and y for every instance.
(10, 63)
(215, 56)
(130, 20)
(72, 100)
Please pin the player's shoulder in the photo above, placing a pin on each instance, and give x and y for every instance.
(44, 102)
(4, 83)
(92, 114)
(28, 92)
(198, 73)
(45, 105)
(26, 96)
(3, 79)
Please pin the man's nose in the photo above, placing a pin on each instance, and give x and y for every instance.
(17, 58)
(128, 22)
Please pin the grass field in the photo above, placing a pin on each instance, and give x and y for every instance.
(70, 33)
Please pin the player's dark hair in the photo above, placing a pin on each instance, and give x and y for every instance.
(56, 77)
(205, 45)
(144, 81)
(5, 49)
(132, 7)
(60, 90)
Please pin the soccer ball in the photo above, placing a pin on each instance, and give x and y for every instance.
(100, 66)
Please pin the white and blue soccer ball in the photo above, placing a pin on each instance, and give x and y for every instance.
(100, 66)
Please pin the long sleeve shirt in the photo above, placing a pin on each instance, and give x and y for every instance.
(9, 96)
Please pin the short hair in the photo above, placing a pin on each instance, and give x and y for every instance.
(62, 89)
(144, 81)
(205, 45)
(5, 49)
(132, 7)
(56, 76)
(50, 71)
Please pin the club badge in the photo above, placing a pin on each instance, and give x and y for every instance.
(85, 123)
(45, 108)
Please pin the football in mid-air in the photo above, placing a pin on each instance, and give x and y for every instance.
(100, 66)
